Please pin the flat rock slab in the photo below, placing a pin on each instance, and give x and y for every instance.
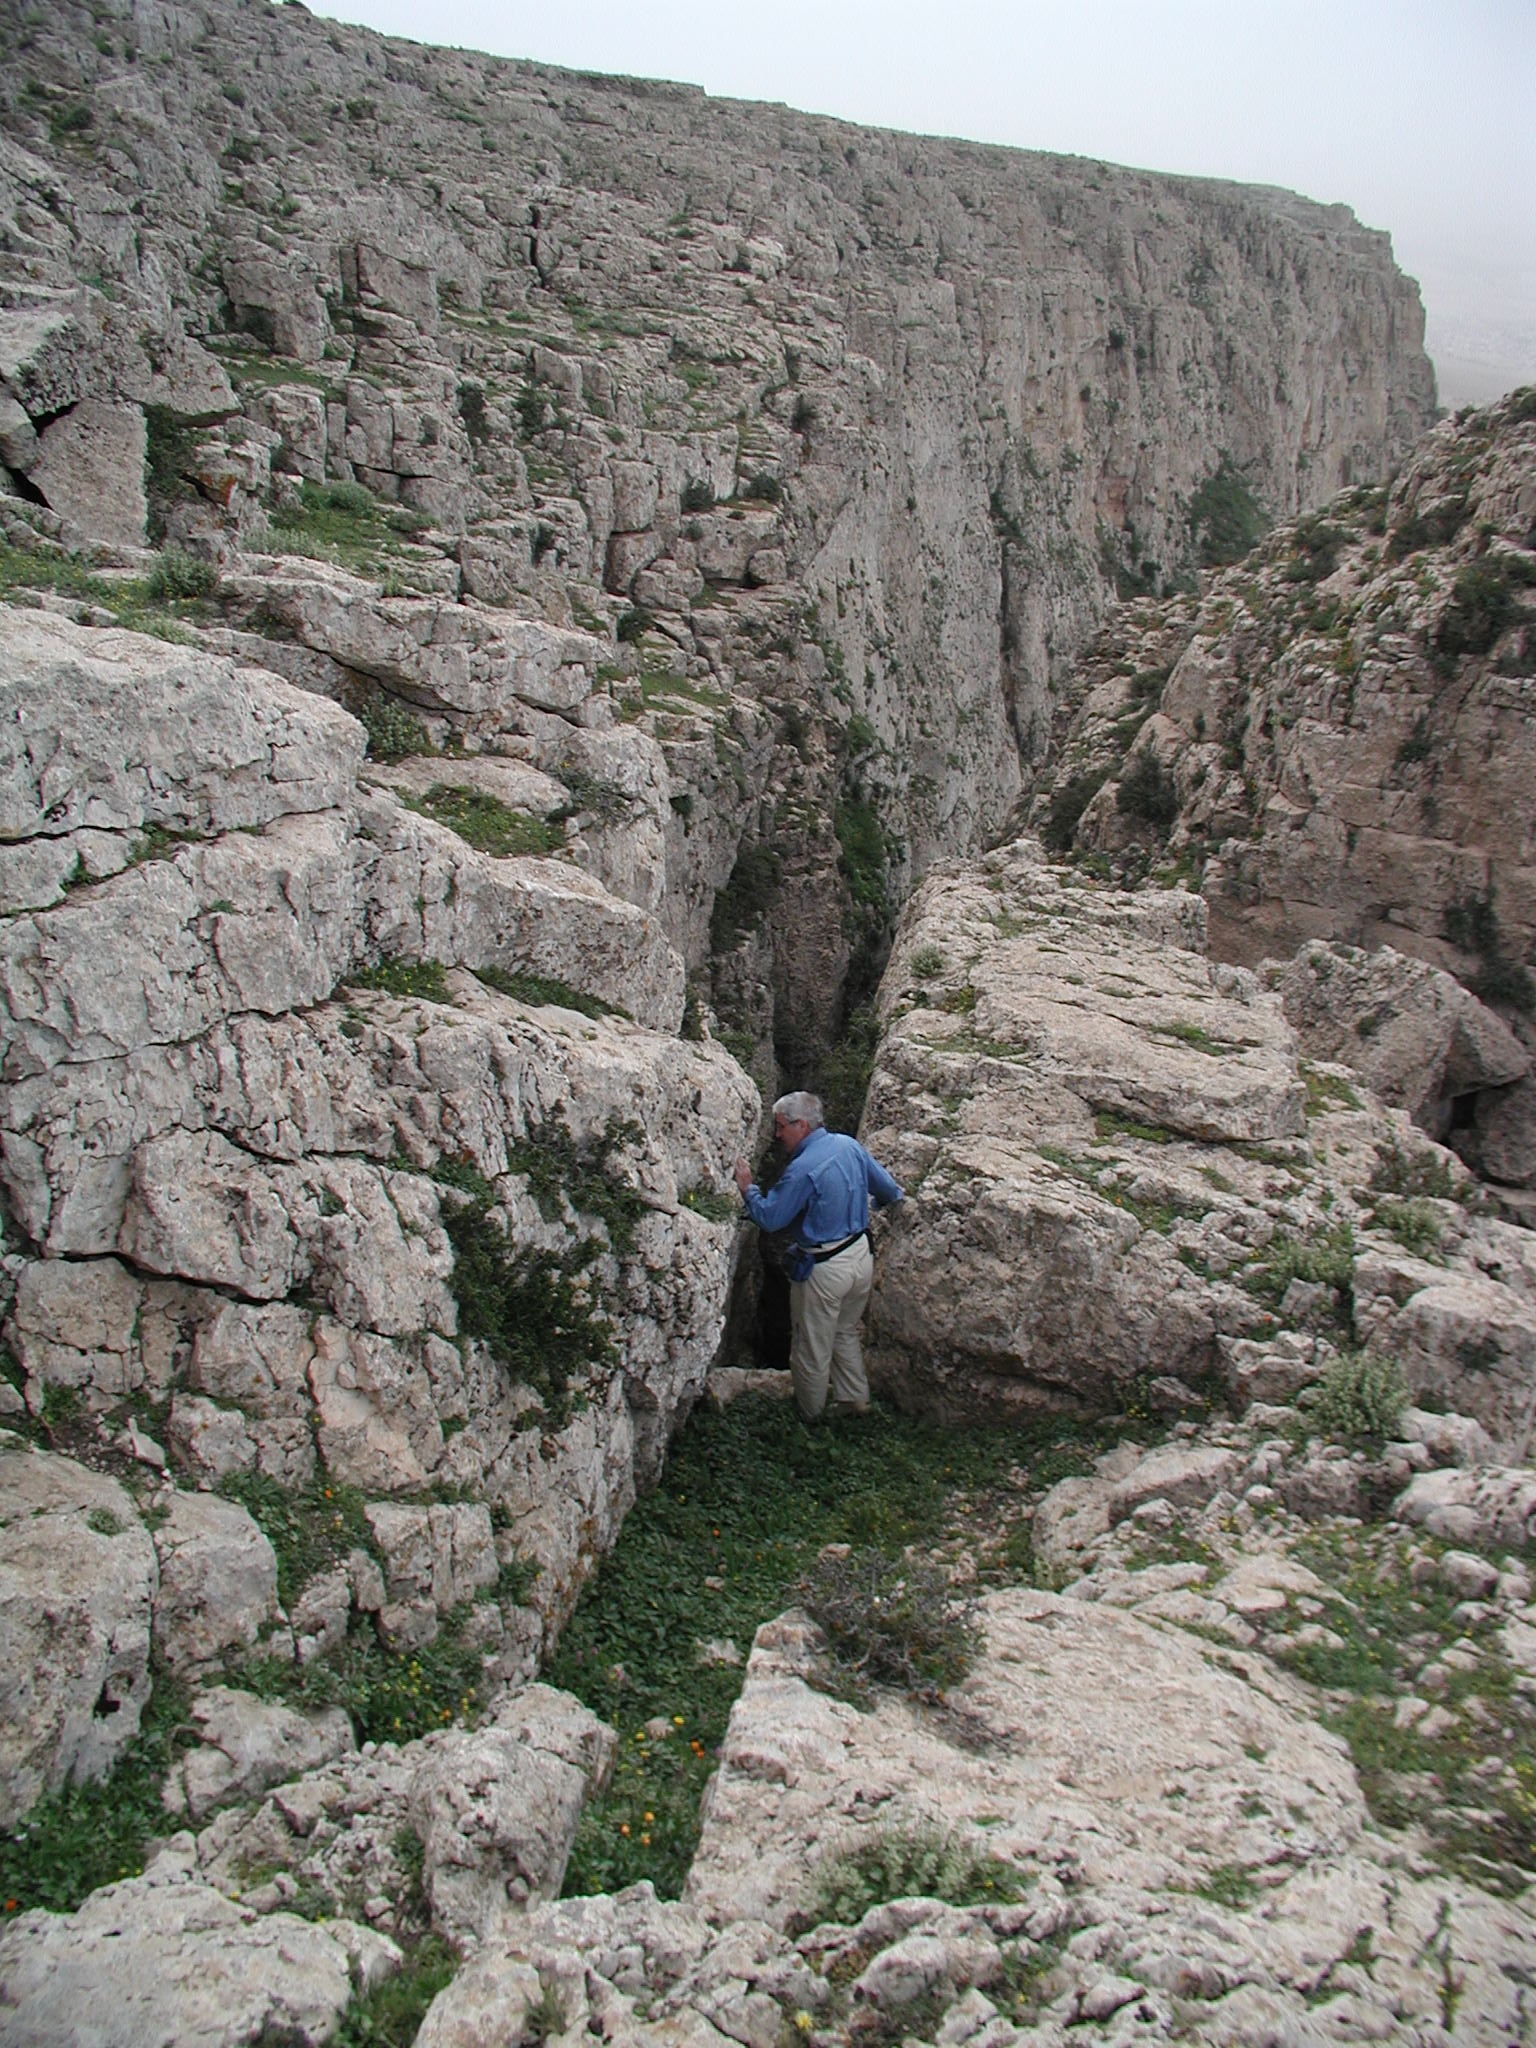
(1172, 1802)
(1082, 1734)
(166, 1962)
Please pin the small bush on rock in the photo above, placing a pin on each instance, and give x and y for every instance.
(1360, 1399)
(393, 731)
(913, 1862)
(1147, 794)
(896, 1622)
(178, 576)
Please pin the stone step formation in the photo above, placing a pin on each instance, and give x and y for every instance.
(529, 603)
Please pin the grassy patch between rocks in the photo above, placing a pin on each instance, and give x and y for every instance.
(750, 1497)
(390, 1695)
(1460, 1761)
(390, 2015)
(542, 990)
(905, 1863)
(485, 822)
(93, 1834)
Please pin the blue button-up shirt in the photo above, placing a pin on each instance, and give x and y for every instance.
(824, 1190)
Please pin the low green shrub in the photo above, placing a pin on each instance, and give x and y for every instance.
(1327, 1261)
(1360, 1399)
(309, 1528)
(485, 822)
(394, 732)
(423, 981)
(927, 961)
(914, 1862)
(747, 897)
(177, 577)
(390, 1695)
(1069, 800)
(390, 2015)
(92, 1833)
(890, 1621)
(1146, 792)
(532, 1308)
(1225, 518)
(540, 989)
(1414, 1223)
(1482, 605)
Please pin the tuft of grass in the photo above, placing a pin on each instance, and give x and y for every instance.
(485, 822)
(911, 1862)
(92, 1834)
(342, 523)
(423, 981)
(1327, 1091)
(542, 989)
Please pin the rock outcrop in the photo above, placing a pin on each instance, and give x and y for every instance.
(1122, 1168)
(1334, 738)
(302, 1219)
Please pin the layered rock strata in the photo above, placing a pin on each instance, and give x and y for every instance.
(236, 1150)
(857, 428)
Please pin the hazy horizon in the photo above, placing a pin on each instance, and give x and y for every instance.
(1415, 117)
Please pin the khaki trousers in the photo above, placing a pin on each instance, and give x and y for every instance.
(824, 1312)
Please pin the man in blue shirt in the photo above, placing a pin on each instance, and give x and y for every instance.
(824, 1192)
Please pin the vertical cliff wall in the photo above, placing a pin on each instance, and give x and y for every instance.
(853, 428)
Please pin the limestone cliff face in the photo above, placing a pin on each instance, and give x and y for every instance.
(856, 427)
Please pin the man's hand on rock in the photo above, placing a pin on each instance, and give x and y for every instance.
(743, 1175)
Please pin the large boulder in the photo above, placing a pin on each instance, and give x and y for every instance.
(77, 1580)
(246, 1744)
(90, 470)
(1025, 1018)
(163, 1961)
(1413, 1034)
(1141, 1788)
(218, 1581)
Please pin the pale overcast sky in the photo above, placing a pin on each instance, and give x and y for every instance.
(1420, 114)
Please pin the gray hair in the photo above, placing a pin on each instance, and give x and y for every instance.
(800, 1108)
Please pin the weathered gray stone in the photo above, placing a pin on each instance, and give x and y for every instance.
(90, 469)
(246, 1744)
(162, 1961)
(77, 1578)
(218, 1580)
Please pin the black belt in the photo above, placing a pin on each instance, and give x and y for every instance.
(819, 1258)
